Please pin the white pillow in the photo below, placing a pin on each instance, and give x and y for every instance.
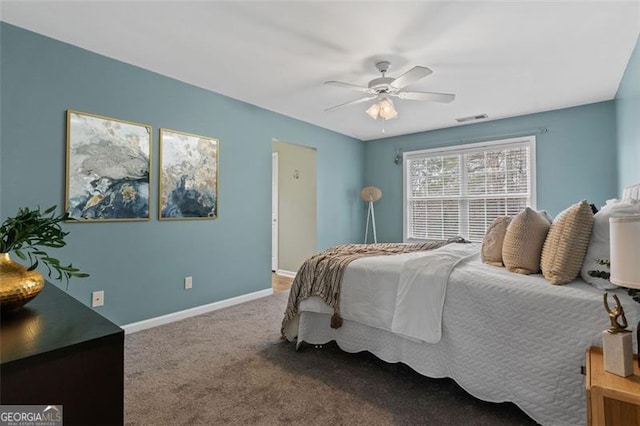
(599, 245)
(546, 215)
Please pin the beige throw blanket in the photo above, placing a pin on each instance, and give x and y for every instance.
(321, 274)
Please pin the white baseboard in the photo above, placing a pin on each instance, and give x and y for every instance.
(285, 273)
(192, 312)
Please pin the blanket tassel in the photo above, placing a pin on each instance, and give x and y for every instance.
(336, 321)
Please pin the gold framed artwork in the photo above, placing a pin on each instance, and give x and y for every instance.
(188, 176)
(108, 168)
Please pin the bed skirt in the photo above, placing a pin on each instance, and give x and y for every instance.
(505, 337)
(469, 369)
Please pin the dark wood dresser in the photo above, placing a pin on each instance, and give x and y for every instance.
(57, 351)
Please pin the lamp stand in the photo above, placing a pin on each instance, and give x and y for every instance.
(371, 215)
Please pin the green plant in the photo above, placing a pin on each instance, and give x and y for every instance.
(30, 230)
(633, 292)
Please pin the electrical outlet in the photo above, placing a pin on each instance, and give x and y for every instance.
(188, 283)
(97, 298)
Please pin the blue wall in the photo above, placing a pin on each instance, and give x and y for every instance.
(576, 159)
(590, 152)
(628, 123)
(141, 265)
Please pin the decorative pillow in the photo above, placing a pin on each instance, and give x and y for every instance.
(566, 244)
(546, 215)
(599, 245)
(523, 242)
(491, 252)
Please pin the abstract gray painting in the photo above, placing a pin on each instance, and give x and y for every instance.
(188, 176)
(108, 163)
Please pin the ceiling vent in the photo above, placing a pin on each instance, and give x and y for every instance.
(472, 118)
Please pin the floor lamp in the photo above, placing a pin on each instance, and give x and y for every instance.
(625, 252)
(370, 194)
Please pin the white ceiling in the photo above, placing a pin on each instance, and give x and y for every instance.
(500, 58)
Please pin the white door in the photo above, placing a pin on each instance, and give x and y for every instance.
(274, 211)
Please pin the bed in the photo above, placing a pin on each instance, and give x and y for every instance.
(502, 336)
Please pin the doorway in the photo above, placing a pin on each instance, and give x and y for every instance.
(293, 221)
(274, 211)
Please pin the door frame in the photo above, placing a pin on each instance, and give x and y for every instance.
(274, 212)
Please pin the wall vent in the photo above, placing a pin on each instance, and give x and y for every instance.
(471, 118)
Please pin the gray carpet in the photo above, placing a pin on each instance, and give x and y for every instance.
(231, 367)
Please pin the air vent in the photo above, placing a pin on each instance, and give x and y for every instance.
(472, 118)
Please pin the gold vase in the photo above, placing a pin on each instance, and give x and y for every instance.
(17, 285)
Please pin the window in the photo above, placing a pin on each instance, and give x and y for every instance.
(461, 190)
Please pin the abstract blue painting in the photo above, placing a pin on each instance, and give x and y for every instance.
(188, 176)
(108, 164)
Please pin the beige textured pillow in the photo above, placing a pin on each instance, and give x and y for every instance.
(523, 242)
(491, 252)
(566, 244)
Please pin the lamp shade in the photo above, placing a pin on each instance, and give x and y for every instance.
(387, 110)
(625, 251)
(373, 111)
(383, 109)
(370, 193)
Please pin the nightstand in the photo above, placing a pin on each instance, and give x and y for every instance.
(611, 400)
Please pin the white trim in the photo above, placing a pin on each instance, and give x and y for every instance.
(470, 146)
(533, 197)
(286, 273)
(404, 198)
(275, 209)
(192, 312)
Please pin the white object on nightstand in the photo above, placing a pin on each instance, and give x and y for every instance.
(625, 250)
(618, 354)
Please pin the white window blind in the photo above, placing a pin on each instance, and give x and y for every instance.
(461, 190)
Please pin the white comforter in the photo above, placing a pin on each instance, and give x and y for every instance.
(421, 291)
(505, 336)
(403, 294)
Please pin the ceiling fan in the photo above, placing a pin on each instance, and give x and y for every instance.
(382, 88)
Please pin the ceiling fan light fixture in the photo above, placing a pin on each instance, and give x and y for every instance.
(383, 109)
(387, 110)
(373, 111)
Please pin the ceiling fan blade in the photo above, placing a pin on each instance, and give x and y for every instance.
(411, 76)
(426, 96)
(357, 101)
(348, 86)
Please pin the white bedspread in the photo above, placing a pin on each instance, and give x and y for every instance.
(421, 292)
(505, 336)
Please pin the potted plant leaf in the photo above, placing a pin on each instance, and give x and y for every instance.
(633, 292)
(25, 235)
